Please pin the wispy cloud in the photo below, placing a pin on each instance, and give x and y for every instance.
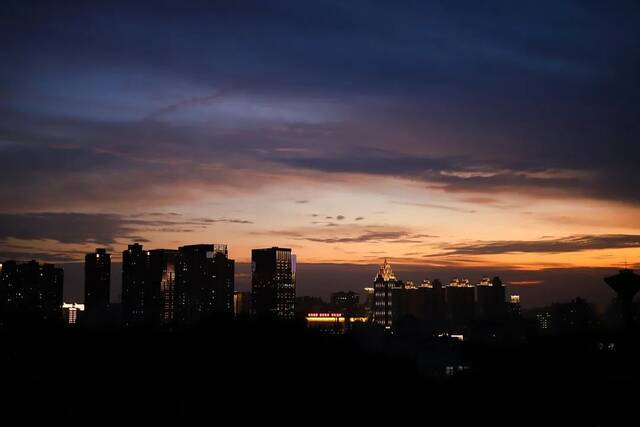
(67, 227)
(196, 101)
(526, 282)
(574, 243)
(228, 220)
(435, 206)
(354, 236)
(97, 228)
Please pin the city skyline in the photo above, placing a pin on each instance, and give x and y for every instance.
(537, 288)
(215, 209)
(195, 284)
(497, 137)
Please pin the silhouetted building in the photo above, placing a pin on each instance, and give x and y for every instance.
(345, 302)
(368, 302)
(615, 315)
(490, 299)
(97, 282)
(148, 286)
(575, 316)
(515, 309)
(241, 303)
(327, 322)
(135, 284)
(437, 320)
(308, 304)
(460, 296)
(273, 282)
(544, 320)
(204, 282)
(30, 292)
(72, 312)
(626, 284)
(383, 285)
(421, 306)
(159, 300)
(408, 305)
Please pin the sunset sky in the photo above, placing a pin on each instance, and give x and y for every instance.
(502, 135)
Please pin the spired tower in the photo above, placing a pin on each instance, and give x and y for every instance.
(383, 286)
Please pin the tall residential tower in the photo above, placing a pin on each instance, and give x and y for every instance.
(273, 282)
(204, 282)
(97, 281)
(135, 285)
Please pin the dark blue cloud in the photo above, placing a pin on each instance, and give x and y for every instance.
(515, 86)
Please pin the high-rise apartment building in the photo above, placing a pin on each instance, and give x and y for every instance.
(273, 282)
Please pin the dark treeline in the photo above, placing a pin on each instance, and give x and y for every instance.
(265, 370)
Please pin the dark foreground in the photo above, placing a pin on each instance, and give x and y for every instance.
(238, 372)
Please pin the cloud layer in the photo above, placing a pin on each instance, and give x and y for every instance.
(389, 124)
(557, 245)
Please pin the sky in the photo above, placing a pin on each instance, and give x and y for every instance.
(445, 136)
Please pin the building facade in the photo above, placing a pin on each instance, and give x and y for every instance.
(273, 282)
(241, 303)
(383, 285)
(461, 297)
(346, 302)
(97, 281)
(333, 322)
(30, 292)
(490, 299)
(160, 300)
(204, 284)
(135, 284)
(514, 308)
(424, 305)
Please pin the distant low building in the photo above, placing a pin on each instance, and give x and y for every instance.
(346, 302)
(575, 316)
(72, 312)
(332, 322)
(543, 320)
(307, 304)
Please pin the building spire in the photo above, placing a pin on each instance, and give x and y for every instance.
(386, 272)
